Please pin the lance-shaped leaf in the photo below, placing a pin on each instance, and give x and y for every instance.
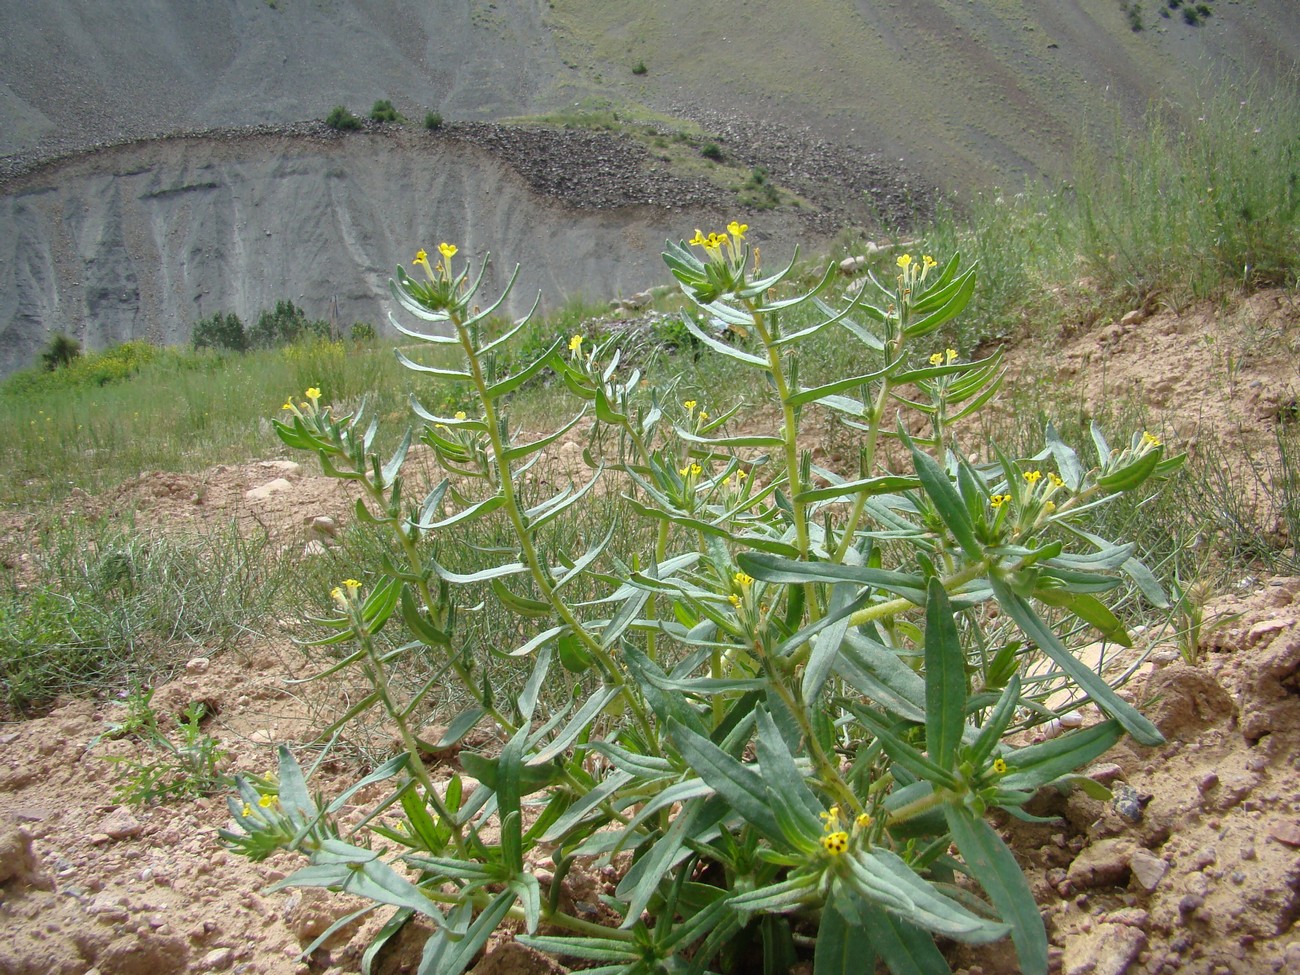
(905, 948)
(739, 784)
(993, 865)
(842, 948)
(930, 908)
(1089, 680)
(773, 568)
(945, 679)
(1037, 765)
(947, 502)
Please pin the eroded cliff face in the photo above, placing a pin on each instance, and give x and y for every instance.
(142, 240)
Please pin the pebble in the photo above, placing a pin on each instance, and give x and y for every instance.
(1148, 869)
(197, 665)
(1286, 833)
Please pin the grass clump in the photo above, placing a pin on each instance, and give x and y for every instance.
(342, 120)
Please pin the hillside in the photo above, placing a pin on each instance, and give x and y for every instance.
(159, 162)
(969, 91)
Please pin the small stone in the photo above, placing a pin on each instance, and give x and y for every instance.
(1133, 917)
(1134, 317)
(262, 736)
(197, 665)
(1287, 833)
(1207, 782)
(1148, 869)
(278, 486)
(120, 825)
(1104, 772)
(325, 525)
(217, 960)
(312, 548)
(1103, 864)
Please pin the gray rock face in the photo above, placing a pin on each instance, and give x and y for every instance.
(141, 240)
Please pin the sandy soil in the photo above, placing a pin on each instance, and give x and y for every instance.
(1194, 868)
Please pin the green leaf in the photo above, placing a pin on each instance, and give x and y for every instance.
(842, 948)
(993, 865)
(1036, 765)
(444, 955)
(947, 502)
(879, 674)
(1092, 683)
(1090, 610)
(886, 484)
(945, 679)
(774, 568)
(905, 948)
(641, 882)
(740, 785)
(998, 722)
(784, 782)
(930, 909)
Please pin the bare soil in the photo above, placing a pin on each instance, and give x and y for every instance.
(1193, 868)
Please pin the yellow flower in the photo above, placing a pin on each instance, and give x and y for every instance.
(696, 470)
(703, 416)
(998, 500)
(905, 261)
(421, 258)
(247, 810)
(267, 801)
(734, 600)
(690, 405)
(448, 251)
(1033, 477)
(835, 843)
(313, 393)
(352, 584)
(698, 239)
(952, 354)
(1049, 506)
(1055, 479)
(1150, 440)
(863, 821)
(336, 594)
(831, 819)
(928, 262)
(742, 580)
(575, 344)
(999, 767)
(460, 414)
(936, 359)
(737, 230)
(288, 405)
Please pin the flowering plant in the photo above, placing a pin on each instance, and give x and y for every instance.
(795, 710)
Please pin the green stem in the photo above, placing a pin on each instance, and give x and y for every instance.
(379, 680)
(502, 479)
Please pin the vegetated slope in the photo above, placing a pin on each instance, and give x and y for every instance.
(79, 71)
(967, 89)
(970, 91)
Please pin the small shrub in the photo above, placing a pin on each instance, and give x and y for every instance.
(432, 121)
(712, 151)
(283, 326)
(341, 120)
(62, 351)
(362, 332)
(383, 111)
(639, 68)
(220, 332)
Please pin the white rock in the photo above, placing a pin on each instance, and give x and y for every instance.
(325, 525)
(313, 547)
(268, 489)
(197, 665)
